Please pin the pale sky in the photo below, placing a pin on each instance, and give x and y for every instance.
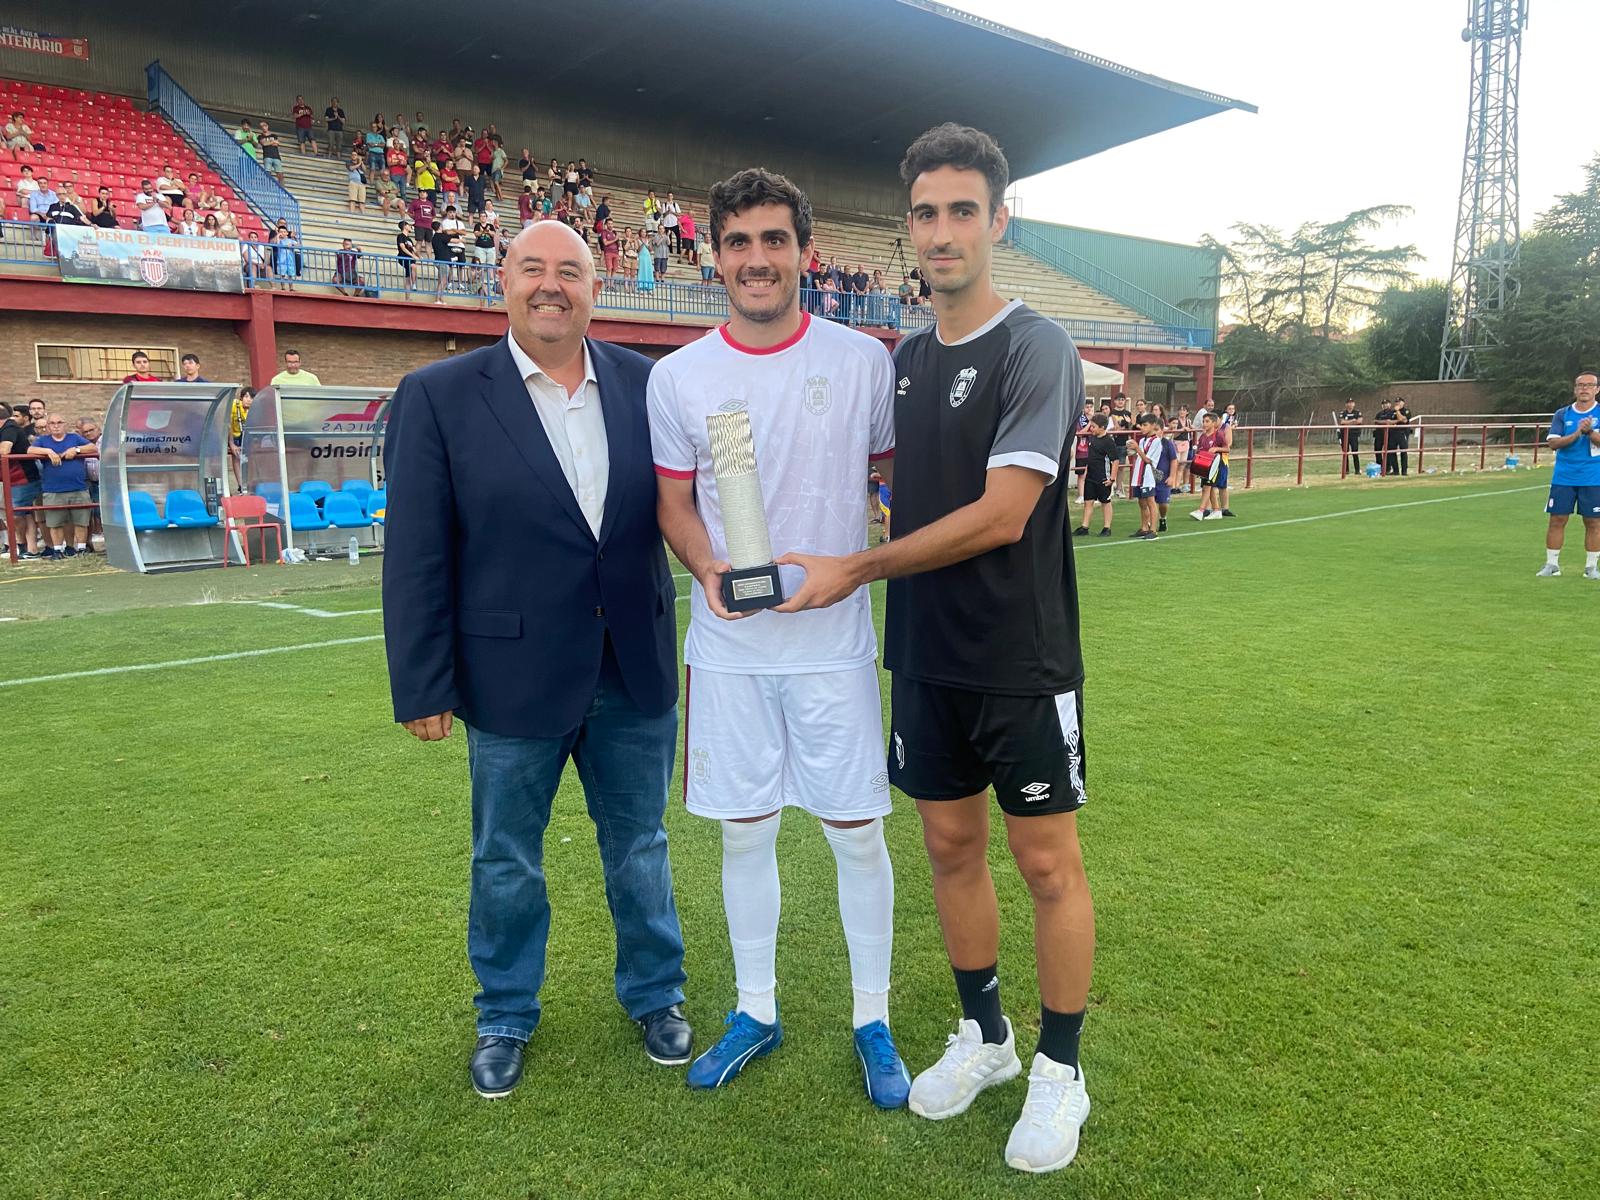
(1361, 102)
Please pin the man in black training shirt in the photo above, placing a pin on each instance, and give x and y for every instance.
(1383, 440)
(982, 636)
(1350, 431)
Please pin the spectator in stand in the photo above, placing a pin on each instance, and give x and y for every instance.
(304, 116)
(170, 189)
(141, 370)
(427, 182)
(225, 222)
(671, 221)
(1349, 419)
(245, 136)
(610, 248)
(630, 256)
(186, 224)
(16, 435)
(686, 238)
(1100, 474)
(27, 185)
(483, 255)
(423, 211)
(64, 481)
(293, 373)
(569, 182)
(450, 184)
(355, 197)
(204, 199)
(706, 257)
(257, 258)
(400, 140)
(497, 167)
(105, 210)
(652, 206)
(860, 281)
(584, 200)
(152, 213)
(395, 160)
(528, 167)
(647, 261)
(19, 136)
(271, 152)
(388, 190)
(285, 256)
(405, 247)
(376, 142)
(477, 184)
(334, 116)
(660, 250)
(189, 370)
(41, 199)
(525, 206)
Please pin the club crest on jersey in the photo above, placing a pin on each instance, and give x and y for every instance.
(819, 395)
(702, 765)
(962, 387)
(732, 406)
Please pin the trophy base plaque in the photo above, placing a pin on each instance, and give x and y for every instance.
(751, 588)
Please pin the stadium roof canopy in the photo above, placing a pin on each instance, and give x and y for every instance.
(860, 77)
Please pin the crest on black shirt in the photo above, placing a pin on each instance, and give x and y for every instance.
(962, 387)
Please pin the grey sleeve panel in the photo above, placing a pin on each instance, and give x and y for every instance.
(1042, 394)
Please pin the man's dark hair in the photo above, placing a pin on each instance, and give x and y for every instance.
(1149, 418)
(137, 355)
(296, 353)
(194, 358)
(1581, 374)
(1098, 420)
(753, 187)
(5, 410)
(962, 147)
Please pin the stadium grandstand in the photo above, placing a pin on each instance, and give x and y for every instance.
(655, 100)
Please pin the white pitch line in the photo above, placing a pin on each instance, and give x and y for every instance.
(190, 662)
(1349, 512)
(309, 612)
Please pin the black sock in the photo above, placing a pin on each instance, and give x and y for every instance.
(1058, 1035)
(980, 1001)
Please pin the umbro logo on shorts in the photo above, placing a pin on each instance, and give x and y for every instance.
(1036, 793)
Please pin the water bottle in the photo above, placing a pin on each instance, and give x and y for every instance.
(355, 551)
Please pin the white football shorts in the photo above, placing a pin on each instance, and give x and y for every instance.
(754, 744)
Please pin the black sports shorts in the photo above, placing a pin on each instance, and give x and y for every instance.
(946, 743)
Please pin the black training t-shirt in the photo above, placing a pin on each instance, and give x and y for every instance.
(1009, 394)
(1102, 453)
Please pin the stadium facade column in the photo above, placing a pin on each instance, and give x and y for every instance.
(1203, 379)
(260, 337)
(1124, 357)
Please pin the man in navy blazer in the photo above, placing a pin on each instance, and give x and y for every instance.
(526, 590)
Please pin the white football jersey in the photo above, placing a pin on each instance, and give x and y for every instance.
(821, 405)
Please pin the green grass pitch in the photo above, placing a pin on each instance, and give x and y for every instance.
(1342, 839)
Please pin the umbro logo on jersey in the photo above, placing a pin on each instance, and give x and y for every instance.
(1036, 793)
(880, 782)
(962, 387)
(900, 388)
(732, 406)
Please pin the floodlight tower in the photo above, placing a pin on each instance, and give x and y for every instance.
(1483, 269)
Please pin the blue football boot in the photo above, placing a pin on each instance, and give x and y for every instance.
(888, 1082)
(746, 1039)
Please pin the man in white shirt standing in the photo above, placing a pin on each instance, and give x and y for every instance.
(152, 208)
(782, 710)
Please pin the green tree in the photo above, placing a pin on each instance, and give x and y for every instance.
(1403, 337)
(1551, 331)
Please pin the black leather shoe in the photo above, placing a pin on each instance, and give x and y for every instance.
(668, 1039)
(496, 1066)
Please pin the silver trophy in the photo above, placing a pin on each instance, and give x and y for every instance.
(753, 582)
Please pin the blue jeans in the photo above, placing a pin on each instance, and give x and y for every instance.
(624, 760)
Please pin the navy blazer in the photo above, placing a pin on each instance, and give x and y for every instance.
(497, 596)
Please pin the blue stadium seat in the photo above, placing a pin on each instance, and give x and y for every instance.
(377, 506)
(272, 493)
(187, 510)
(304, 513)
(316, 489)
(145, 513)
(344, 511)
(358, 487)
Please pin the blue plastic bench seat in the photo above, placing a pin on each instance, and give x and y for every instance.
(186, 510)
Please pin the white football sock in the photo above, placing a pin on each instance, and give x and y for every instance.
(751, 899)
(866, 910)
(1552, 558)
(1591, 559)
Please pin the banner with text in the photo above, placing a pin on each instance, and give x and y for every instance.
(90, 254)
(12, 38)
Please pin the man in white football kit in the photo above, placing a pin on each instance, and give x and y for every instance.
(781, 709)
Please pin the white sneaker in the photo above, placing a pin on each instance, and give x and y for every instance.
(1198, 515)
(969, 1064)
(1045, 1137)
(1547, 570)
(1214, 515)
(1591, 572)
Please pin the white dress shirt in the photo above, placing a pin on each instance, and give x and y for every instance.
(576, 428)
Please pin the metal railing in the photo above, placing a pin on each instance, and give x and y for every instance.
(1179, 325)
(25, 242)
(248, 178)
